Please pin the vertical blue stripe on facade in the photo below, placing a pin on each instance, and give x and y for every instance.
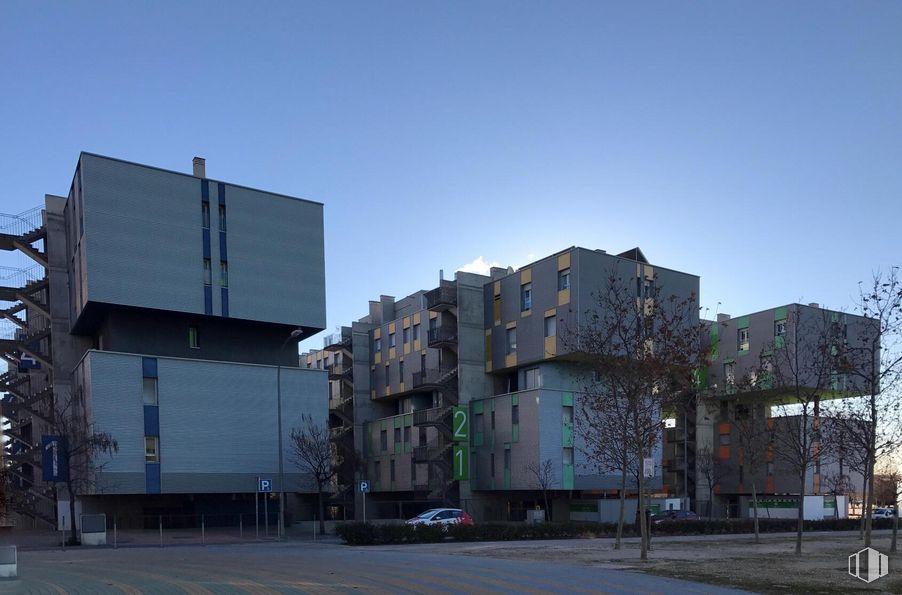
(223, 253)
(152, 477)
(149, 367)
(222, 194)
(225, 302)
(151, 420)
(206, 243)
(205, 190)
(208, 299)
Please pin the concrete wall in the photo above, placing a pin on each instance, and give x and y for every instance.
(217, 422)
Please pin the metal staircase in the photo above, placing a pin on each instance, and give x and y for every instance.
(27, 402)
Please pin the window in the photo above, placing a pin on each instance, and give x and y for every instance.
(515, 414)
(223, 273)
(729, 373)
(377, 470)
(205, 214)
(526, 297)
(407, 434)
(405, 335)
(391, 339)
(780, 328)
(497, 309)
(377, 344)
(568, 456)
(478, 423)
(193, 341)
(511, 341)
(151, 449)
(222, 218)
(397, 435)
(387, 376)
(493, 420)
(383, 440)
(533, 378)
(208, 272)
(416, 332)
(769, 468)
(413, 470)
(492, 465)
(432, 323)
(741, 474)
(150, 391)
(550, 326)
(724, 439)
(743, 339)
(507, 459)
(422, 436)
(401, 371)
(563, 279)
(568, 415)
(391, 470)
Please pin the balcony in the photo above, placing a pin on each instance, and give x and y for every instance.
(340, 372)
(443, 297)
(338, 341)
(432, 378)
(442, 336)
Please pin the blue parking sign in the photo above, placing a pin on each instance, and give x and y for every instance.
(265, 485)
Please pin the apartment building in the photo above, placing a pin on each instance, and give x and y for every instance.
(161, 319)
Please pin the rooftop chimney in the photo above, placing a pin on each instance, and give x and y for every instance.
(813, 304)
(723, 317)
(200, 167)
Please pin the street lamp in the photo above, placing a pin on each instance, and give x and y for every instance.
(294, 335)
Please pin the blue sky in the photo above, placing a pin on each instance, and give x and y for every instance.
(755, 144)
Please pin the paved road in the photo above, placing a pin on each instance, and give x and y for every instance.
(272, 568)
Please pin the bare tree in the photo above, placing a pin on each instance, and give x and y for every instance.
(639, 351)
(754, 444)
(543, 477)
(79, 450)
(872, 359)
(713, 470)
(313, 453)
(891, 491)
(801, 367)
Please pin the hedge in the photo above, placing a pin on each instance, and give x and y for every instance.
(357, 533)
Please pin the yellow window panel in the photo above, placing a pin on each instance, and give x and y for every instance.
(563, 261)
(525, 276)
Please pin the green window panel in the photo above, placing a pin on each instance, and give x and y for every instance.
(567, 481)
(399, 421)
(507, 479)
(398, 447)
(567, 400)
(779, 342)
(780, 313)
(408, 419)
(742, 322)
(408, 447)
(384, 424)
(477, 406)
(477, 439)
(568, 435)
(515, 433)
(515, 400)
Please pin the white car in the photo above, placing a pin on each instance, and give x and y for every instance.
(442, 516)
(882, 513)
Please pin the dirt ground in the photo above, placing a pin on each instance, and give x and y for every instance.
(768, 567)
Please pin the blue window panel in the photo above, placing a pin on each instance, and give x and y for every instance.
(222, 194)
(208, 299)
(152, 477)
(206, 243)
(205, 190)
(151, 420)
(149, 367)
(223, 253)
(225, 302)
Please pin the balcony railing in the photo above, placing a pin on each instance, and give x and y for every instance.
(431, 377)
(442, 297)
(339, 371)
(442, 335)
(337, 341)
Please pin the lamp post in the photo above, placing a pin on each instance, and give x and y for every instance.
(294, 335)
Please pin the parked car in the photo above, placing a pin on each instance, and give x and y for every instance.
(674, 515)
(442, 516)
(882, 513)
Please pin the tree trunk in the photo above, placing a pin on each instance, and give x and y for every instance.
(755, 506)
(322, 516)
(547, 510)
(73, 540)
(622, 507)
(643, 525)
(870, 465)
(864, 497)
(892, 547)
(801, 521)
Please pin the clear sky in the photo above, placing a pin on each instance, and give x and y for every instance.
(756, 144)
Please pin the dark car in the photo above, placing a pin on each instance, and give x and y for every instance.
(674, 516)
